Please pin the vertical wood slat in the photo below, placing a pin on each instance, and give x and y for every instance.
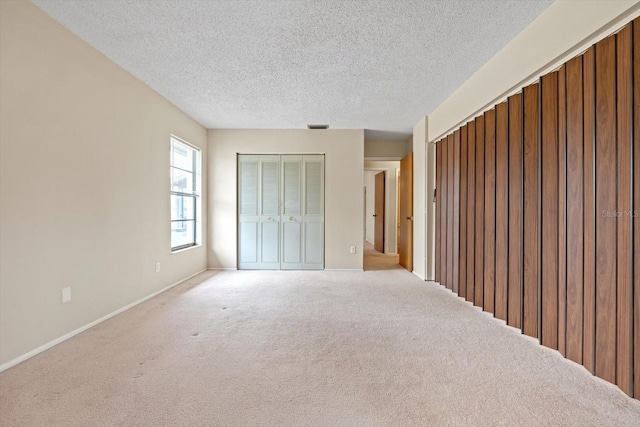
(636, 206)
(450, 219)
(562, 210)
(489, 210)
(624, 356)
(471, 210)
(575, 207)
(606, 242)
(531, 281)
(443, 214)
(549, 209)
(502, 210)
(479, 213)
(589, 313)
(462, 265)
(456, 211)
(516, 213)
(439, 191)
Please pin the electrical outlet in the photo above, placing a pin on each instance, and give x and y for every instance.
(353, 249)
(157, 267)
(66, 294)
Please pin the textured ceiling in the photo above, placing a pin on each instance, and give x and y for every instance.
(371, 64)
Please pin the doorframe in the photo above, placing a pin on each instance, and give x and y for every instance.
(392, 206)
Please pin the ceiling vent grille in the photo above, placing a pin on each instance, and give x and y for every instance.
(314, 127)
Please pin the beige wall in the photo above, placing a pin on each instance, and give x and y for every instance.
(344, 163)
(386, 149)
(561, 32)
(84, 184)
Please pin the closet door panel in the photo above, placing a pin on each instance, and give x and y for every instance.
(248, 218)
(269, 212)
(291, 212)
(313, 212)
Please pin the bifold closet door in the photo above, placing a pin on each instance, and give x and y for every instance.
(281, 212)
(313, 212)
(258, 212)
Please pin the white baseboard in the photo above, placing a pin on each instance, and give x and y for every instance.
(422, 278)
(66, 336)
(222, 269)
(358, 270)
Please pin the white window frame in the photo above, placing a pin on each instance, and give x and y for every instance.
(195, 194)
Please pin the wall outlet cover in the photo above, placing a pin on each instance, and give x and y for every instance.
(66, 294)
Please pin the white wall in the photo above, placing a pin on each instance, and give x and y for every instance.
(344, 163)
(84, 184)
(560, 33)
(419, 199)
(390, 168)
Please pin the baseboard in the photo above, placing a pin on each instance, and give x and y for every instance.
(222, 269)
(416, 274)
(357, 270)
(81, 329)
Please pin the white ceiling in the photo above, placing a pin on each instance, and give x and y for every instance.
(358, 64)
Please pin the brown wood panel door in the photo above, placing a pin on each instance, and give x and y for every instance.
(443, 212)
(575, 208)
(531, 281)
(378, 213)
(516, 213)
(636, 205)
(456, 212)
(450, 219)
(479, 213)
(606, 241)
(438, 267)
(406, 212)
(471, 210)
(462, 264)
(562, 210)
(489, 210)
(589, 315)
(624, 362)
(549, 240)
(502, 210)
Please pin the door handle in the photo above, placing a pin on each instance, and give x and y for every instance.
(291, 218)
(410, 218)
(270, 219)
(374, 215)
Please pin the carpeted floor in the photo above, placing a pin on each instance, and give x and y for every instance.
(248, 348)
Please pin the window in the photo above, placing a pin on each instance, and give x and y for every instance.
(185, 194)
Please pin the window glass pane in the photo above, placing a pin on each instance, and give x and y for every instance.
(181, 181)
(182, 207)
(182, 233)
(182, 155)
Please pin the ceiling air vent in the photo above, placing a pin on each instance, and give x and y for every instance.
(318, 126)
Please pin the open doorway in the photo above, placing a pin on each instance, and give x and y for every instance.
(381, 206)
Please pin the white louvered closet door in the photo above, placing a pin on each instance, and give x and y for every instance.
(269, 253)
(313, 213)
(248, 205)
(291, 212)
(281, 212)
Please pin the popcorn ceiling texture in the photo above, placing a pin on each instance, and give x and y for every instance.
(375, 65)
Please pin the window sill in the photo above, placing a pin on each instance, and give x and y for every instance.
(177, 251)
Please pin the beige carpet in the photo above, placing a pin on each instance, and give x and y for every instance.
(374, 260)
(379, 348)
